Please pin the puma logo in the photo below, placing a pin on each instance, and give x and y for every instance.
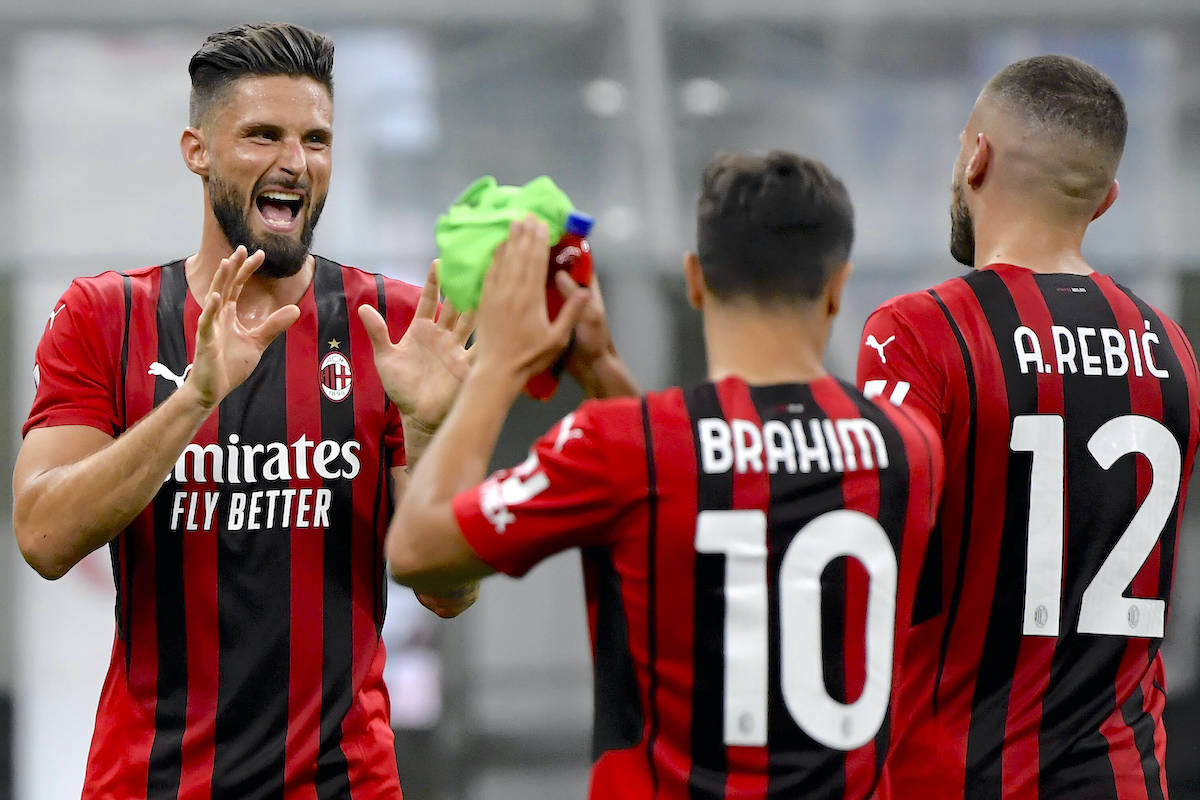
(163, 372)
(55, 313)
(873, 342)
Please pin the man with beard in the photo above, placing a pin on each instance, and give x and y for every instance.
(1068, 411)
(237, 439)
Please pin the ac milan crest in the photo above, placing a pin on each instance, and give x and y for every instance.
(335, 376)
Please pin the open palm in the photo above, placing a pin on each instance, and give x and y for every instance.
(424, 370)
(227, 350)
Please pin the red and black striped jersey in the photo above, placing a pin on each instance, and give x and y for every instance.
(1067, 408)
(247, 661)
(749, 553)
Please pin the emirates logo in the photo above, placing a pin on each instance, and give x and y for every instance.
(335, 376)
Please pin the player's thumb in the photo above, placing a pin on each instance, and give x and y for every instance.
(279, 321)
(377, 330)
(569, 314)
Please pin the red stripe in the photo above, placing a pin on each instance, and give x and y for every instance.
(200, 611)
(1145, 399)
(957, 688)
(368, 720)
(746, 767)
(860, 492)
(306, 634)
(1031, 676)
(675, 461)
(124, 733)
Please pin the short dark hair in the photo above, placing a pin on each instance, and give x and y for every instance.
(771, 228)
(1067, 94)
(261, 49)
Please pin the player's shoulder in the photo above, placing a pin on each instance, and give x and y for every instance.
(109, 288)
(914, 305)
(358, 281)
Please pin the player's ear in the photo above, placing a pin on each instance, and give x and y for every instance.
(1109, 199)
(696, 287)
(194, 150)
(835, 286)
(977, 165)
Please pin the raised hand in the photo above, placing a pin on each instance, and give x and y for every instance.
(514, 328)
(227, 350)
(593, 361)
(424, 370)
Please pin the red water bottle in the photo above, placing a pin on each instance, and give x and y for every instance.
(573, 254)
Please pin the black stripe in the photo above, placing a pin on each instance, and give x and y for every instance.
(797, 765)
(617, 717)
(253, 593)
(651, 589)
(170, 619)
(337, 424)
(1002, 641)
(1142, 725)
(960, 572)
(1177, 404)
(122, 575)
(1081, 692)
(706, 779)
(381, 508)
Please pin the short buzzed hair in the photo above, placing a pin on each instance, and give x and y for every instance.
(771, 228)
(259, 50)
(1066, 94)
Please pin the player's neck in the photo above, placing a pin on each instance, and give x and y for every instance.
(1030, 240)
(261, 295)
(762, 347)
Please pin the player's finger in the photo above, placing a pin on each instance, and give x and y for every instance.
(377, 330)
(279, 321)
(428, 301)
(247, 268)
(220, 278)
(447, 316)
(572, 310)
(464, 328)
(208, 313)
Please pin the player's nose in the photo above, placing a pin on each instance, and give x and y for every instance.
(292, 158)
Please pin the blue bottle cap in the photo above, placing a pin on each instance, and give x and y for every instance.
(579, 223)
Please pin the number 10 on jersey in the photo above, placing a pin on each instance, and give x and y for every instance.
(741, 536)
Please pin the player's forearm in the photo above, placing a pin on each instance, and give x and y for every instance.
(607, 376)
(63, 513)
(424, 531)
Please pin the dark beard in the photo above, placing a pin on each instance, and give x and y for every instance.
(284, 255)
(962, 231)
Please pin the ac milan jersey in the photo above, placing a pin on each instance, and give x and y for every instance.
(247, 661)
(750, 556)
(1068, 412)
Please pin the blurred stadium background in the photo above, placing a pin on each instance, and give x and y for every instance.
(622, 102)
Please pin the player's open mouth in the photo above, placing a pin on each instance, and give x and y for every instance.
(280, 210)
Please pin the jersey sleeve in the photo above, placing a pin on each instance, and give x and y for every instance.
(565, 494)
(894, 364)
(77, 362)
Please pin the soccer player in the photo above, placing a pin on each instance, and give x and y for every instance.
(1068, 412)
(750, 545)
(228, 429)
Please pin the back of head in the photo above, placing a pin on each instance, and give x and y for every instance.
(1073, 110)
(258, 50)
(771, 228)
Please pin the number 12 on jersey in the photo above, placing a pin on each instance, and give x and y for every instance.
(741, 536)
(1104, 608)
